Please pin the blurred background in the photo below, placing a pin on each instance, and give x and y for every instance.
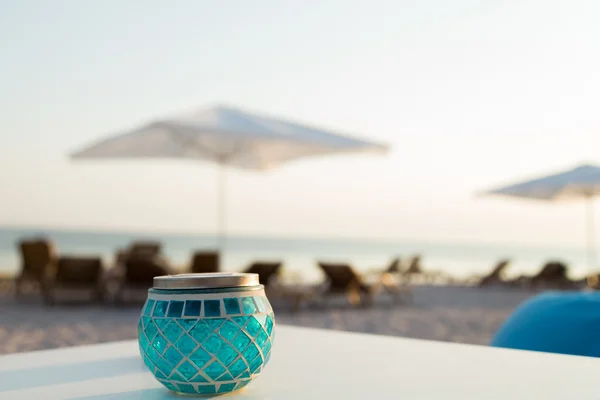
(468, 96)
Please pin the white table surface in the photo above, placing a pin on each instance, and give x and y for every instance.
(310, 364)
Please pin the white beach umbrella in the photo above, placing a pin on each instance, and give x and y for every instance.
(579, 183)
(228, 137)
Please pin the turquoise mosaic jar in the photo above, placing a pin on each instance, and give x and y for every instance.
(206, 334)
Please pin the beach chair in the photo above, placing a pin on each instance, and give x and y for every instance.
(137, 274)
(416, 274)
(393, 281)
(140, 248)
(136, 268)
(145, 247)
(205, 261)
(414, 271)
(553, 275)
(80, 273)
(414, 267)
(266, 271)
(342, 279)
(38, 260)
(394, 267)
(496, 276)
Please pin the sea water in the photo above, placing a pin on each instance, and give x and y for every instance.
(301, 254)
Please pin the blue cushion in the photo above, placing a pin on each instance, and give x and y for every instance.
(555, 322)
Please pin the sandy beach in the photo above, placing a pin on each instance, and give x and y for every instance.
(446, 313)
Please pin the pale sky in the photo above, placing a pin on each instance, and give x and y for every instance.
(471, 94)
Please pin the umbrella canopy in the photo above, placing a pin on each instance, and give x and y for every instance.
(582, 182)
(229, 137)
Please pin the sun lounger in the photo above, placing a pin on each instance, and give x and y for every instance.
(266, 271)
(136, 268)
(139, 248)
(414, 267)
(552, 275)
(82, 273)
(342, 279)
(137, 274)
(394, 266)
(205, 261)
(38, 260)
(416, 274)
(394, 281)
(496, 276)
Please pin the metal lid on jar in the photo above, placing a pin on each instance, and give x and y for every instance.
(206, 280)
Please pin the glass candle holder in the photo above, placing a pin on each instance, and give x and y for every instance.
(206, 334)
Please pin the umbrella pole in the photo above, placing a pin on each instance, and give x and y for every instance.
(590, 232)
(222, 217)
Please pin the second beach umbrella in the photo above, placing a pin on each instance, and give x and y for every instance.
(581, 183)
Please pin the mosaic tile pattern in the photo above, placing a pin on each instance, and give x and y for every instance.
(206, 346)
